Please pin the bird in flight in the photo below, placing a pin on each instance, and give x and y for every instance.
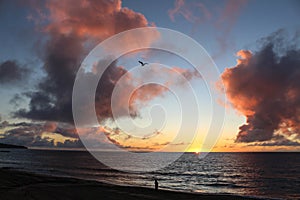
(142, 63)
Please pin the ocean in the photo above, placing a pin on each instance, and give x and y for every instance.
(266, 175)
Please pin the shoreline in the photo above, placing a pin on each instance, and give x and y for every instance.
(15, 184)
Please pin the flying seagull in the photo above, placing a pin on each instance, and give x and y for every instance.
(143, 64)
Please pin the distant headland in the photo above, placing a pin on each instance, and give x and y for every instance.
(11, 146)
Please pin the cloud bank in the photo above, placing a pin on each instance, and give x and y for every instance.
(33, 134)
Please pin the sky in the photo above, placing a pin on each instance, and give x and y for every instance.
(254, 45)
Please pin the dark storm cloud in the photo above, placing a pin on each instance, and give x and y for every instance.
(52, 101)
(12, 73)
(65, 48)
(265, 87)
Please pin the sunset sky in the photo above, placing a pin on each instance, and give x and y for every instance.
(254, 44)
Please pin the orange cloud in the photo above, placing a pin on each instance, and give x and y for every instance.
(96, 19)
(244, 55)
(263, 86)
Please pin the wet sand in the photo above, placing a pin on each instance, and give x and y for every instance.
(16, 185)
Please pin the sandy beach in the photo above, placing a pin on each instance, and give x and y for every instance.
(23, 185)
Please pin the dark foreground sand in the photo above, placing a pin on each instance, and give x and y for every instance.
(18, 185)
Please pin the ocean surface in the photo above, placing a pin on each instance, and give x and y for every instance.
(266, 175)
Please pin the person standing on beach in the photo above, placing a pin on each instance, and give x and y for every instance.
(156, 184)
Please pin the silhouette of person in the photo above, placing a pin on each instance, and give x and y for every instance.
(156, 184)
